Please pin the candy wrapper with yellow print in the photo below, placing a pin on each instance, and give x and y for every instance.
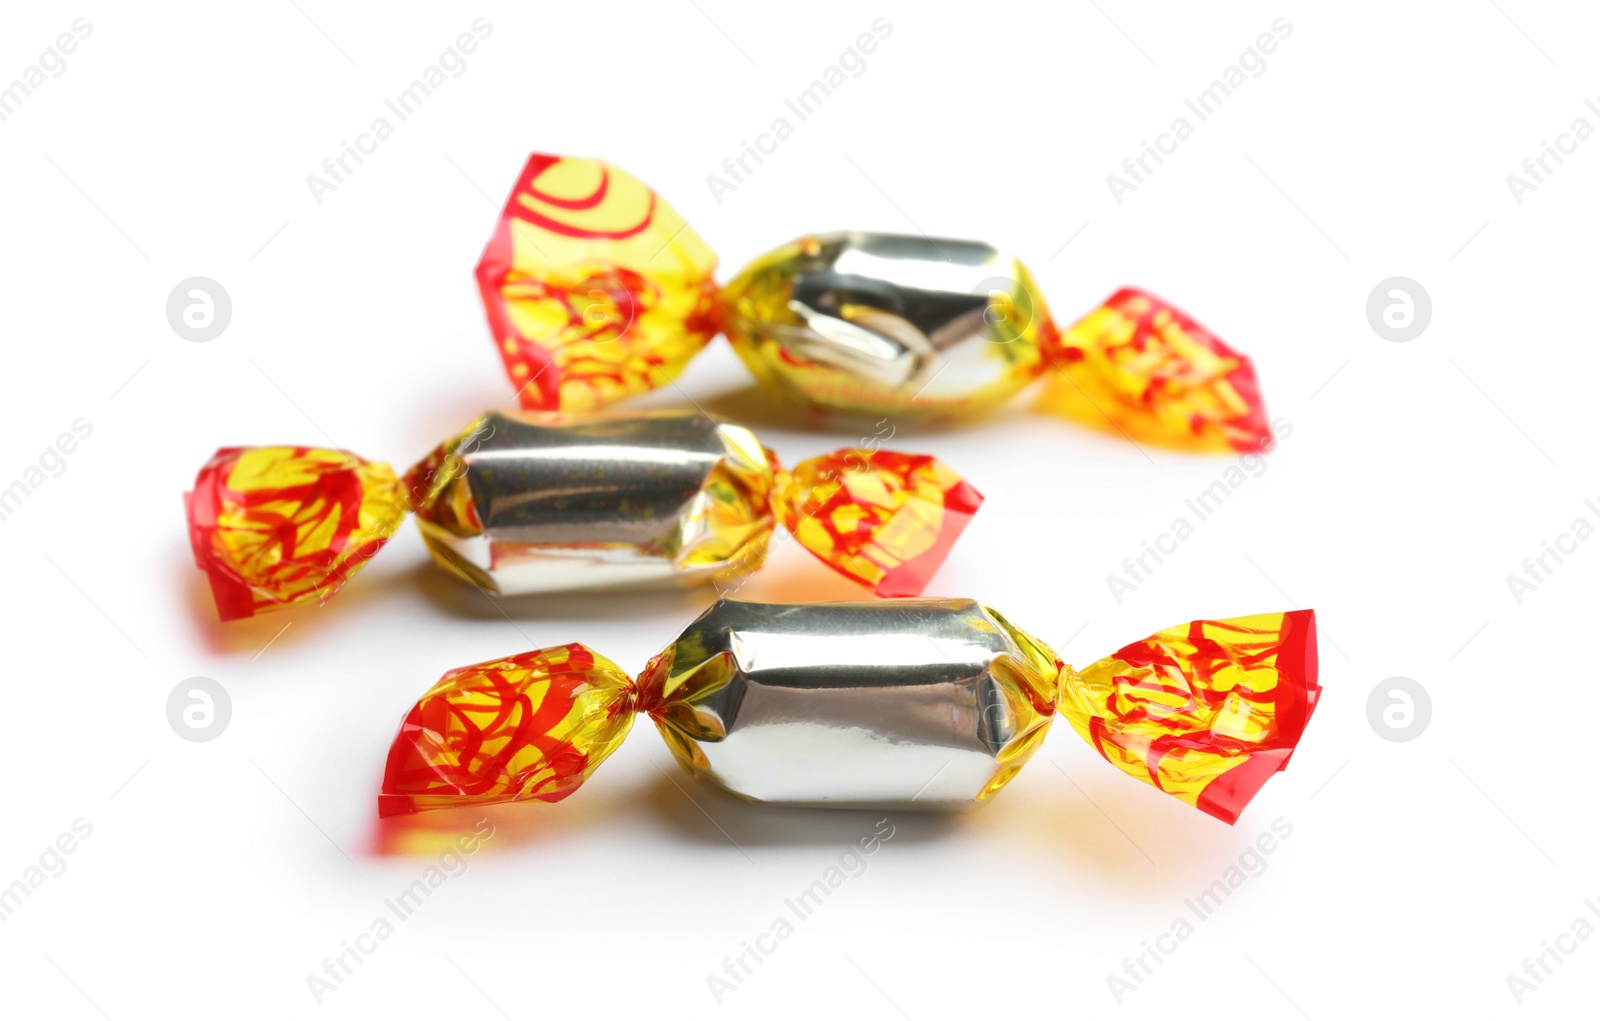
(279, 526)
(895, 704)
(523, 502)
(596, 290)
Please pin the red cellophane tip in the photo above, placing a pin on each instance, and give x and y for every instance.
(395, 804)
(232, 595)
(961, 502)
(1296, 697)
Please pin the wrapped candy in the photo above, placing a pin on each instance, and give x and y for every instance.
(523, 502)
(907, 703)
(597, 290)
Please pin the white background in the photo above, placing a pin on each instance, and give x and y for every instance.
(1417, 477)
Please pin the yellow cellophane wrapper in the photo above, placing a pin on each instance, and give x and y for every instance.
(1206, 711)
(280, 526)
(595, 288)
(728, 525)
(1029, 685)
(1141, 368)
(884, 519)
(436, 486)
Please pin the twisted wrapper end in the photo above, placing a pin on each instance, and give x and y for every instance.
(1140, 367)
(1206, 711)
(883, 519)
(279, 526)
(530, 727)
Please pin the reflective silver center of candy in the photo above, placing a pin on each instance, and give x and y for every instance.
(592, 502)
(912, 703)
(886, 305)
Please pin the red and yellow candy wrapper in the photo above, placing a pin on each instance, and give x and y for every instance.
(279, 526)
(1148, 371)
(523, 502)
(880, 518)
(596, 290)
(907, 704)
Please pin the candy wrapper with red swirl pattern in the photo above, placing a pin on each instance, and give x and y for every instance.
(597, 290)
(906, 703)
(523, 502)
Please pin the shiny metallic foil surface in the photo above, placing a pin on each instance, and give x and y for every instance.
(918, 703)
(886, 323)
(525, 502)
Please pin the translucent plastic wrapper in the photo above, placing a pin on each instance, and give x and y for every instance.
(905, 704)
(596, 290)
(524, 502)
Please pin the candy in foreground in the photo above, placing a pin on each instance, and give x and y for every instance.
(907, 704)
(595, 290)
(524, 502)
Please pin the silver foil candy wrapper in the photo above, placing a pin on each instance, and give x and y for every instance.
(913, 703)
(526, 502)
(884, 323)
